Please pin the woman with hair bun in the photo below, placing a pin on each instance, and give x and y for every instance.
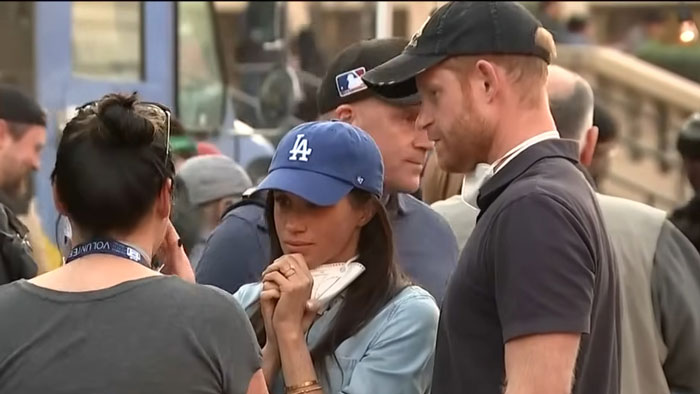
(109, 321)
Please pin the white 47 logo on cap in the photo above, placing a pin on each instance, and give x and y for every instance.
(301, 148)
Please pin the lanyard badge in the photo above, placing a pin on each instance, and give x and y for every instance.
(110, 247)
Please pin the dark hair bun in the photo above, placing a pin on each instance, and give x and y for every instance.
(124, 125)
(111, 164)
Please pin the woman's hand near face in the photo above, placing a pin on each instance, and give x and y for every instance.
(270, 352)
(268, 300)
(292, 316)
(292, 313)
(174, 256)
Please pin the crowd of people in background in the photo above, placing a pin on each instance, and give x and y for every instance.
(578, 29)
(438, 229)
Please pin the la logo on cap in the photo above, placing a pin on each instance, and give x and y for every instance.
(416, 35)
(300, 148)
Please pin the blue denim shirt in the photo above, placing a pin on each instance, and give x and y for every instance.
(392, 354)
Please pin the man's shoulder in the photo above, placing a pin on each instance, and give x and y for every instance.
(6, 216)
(533, 203)
(630, 222)
(248, 213)
(447, 204)
(551, 181)
(630, 209)
(454, 209)
(422, 212)
(531, 195)
(243, 226)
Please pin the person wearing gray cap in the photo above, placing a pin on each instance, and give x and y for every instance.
(210, 185)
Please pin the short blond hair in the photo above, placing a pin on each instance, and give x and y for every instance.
(545, 40)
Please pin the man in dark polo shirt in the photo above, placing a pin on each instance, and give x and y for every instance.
(533, 304)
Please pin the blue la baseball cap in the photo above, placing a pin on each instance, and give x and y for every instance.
(323, 161)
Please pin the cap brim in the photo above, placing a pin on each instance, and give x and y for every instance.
(399, 94)
(319, 189)
(401, 68)
(401, 101)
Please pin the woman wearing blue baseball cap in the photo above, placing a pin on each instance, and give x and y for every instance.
(333, 312)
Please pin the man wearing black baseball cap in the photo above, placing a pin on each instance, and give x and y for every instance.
(426, 251)
(533, 304)
(22, 136)
(426, 247)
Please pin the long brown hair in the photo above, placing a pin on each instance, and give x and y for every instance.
(368, 294)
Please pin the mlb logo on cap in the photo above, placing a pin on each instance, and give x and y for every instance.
(350, 82)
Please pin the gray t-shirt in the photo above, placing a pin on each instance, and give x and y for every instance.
(152, 335)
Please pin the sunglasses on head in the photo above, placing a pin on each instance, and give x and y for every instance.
(165, 111)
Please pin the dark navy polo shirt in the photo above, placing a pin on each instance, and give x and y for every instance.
(538, 261)
(426, 246)
(238, 250)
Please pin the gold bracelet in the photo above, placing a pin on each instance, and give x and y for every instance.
(302, 386)
(305, 390)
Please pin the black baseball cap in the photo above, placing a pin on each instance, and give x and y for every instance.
(464, 28)
(17, 107)
(343, 82)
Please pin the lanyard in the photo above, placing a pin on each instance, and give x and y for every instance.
(114, 248)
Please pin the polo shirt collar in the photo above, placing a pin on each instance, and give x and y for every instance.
(567, 149)
(262, 222)
(396, 204)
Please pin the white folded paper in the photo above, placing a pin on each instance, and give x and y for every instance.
(331, 279)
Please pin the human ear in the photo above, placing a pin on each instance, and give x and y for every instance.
(164, 201)
(589, 142)
(488, 80)
(367, 213)
(4, 133)
(58, 203)
(346, 113)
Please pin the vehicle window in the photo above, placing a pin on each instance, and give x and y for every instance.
(107, 39)
(200, 81)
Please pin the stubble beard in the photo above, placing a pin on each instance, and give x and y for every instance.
(472, 144)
